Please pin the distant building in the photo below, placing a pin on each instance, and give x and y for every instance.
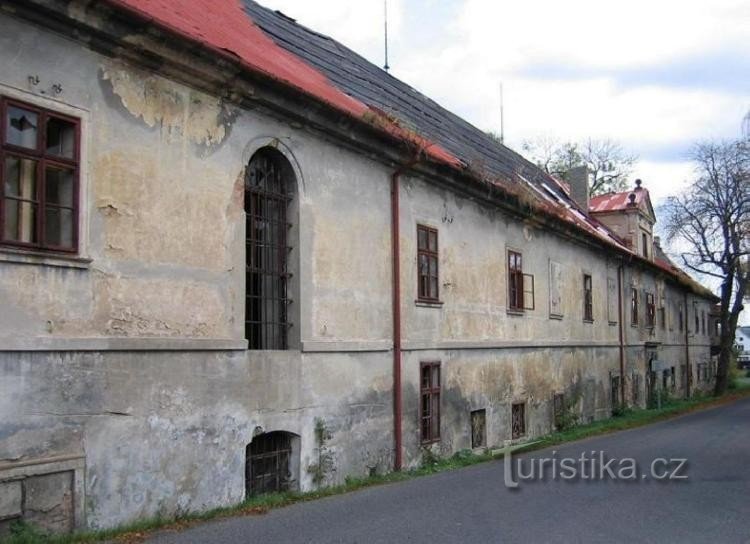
(742, 344)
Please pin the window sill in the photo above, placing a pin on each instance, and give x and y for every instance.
(22, 256)
(556, 316)
(589, 321)
(428, 303)
(613, 323)
(517, 313)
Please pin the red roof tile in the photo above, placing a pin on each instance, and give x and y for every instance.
(611, 202)
(224, 27)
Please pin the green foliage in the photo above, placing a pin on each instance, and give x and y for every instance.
(22, 532)
(322, 468)
(568, 417)
(608, 163)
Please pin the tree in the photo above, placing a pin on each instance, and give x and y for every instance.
(712, 220)
(608, 163)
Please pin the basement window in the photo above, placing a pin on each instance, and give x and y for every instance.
(429, 410)
(478, 429)
(558, 409)
(39, 169)
(588, 299)
(427, 264)
(614, 383)
(518, 420)
(520, 285)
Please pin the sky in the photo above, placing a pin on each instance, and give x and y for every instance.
(655, 75)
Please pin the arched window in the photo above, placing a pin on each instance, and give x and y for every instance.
(272, 463)
(268, 192)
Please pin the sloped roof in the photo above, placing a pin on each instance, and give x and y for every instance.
(273, 44)
(616, 202)
(611, 202)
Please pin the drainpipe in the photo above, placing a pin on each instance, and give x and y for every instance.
(396, 286)
(396, 307)
(620, 272)
(688, 368)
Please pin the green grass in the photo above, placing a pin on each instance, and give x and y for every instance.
(136, 532)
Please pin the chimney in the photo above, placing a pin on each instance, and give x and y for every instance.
(578, 178)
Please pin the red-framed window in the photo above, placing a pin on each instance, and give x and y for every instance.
(650, 310)
(633, 306)
(429, 407)
(39, 177)
(427, 263)
(520, 285)
(588, 299)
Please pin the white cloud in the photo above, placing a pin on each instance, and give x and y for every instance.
(458, 52)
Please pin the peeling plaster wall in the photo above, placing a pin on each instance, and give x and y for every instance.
(167, 432)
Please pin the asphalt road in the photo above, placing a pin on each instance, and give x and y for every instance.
(473, 504)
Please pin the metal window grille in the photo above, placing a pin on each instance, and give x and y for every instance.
(427, 258)
(518, 420)
(430, 402)
(615, 392)
(558, 409)
(267, 468)
(478, 428)
(267, 298)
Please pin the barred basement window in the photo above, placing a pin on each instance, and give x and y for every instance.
(269, 465)
(636, 388)
(478, 429)
(39, 173)
(429, 410)
(614, 382)
(267, 196)
(518, 420)
(650, 310)
(558, 409)
(633, 306)
(588, 299)
(427, 264)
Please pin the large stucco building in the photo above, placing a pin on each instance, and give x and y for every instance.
(235, 257)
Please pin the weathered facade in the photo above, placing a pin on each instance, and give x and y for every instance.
(156, 357)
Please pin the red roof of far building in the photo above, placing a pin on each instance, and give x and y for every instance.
(612, 202)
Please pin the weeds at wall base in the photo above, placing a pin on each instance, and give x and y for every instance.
(24, 533)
